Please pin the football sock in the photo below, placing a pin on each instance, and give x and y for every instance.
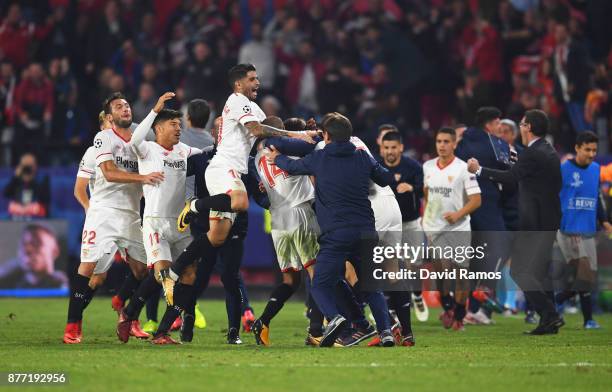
(586, 305)
(221, 203)
(182, 296)
(145, 290)
(88, 297)
(128, 287)
(459, 311)
(78, 297)
(153, 305)
(563, 296)
(401, 304)
(199, 248)
(277, 299)
(474, 304)
(448, 302)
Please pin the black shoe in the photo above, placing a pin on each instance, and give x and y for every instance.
(335, 326)
(361, 333)
(233, 337)
(261, 333)
(187, 328)
(550, 327)
(346, 338)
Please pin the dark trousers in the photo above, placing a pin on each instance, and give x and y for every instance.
(336, 247)
(531, 259)
(228, 265)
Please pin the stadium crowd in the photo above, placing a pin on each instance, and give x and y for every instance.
(415, 63)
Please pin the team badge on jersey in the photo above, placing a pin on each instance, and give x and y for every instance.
(98, 143)
(398, 176)
(246, 108)
(450, 178)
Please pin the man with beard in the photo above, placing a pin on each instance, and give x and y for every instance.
(112, 222)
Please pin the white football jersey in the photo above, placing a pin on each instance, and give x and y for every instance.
(109, 146)
(166, 199)
(87, 167)
(284, 191)
(447, 191)
(235, 142)
(375, 189)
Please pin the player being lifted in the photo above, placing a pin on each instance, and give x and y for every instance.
(163, 202)
(294, 232)
(451, 195)
(241, 126)
(112, 221)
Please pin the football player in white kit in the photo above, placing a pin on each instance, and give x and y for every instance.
(240, 127)
(451, 195)
(294, 231)
(113, 221)
(163, 202)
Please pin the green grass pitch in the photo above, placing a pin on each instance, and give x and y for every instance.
(487, 358)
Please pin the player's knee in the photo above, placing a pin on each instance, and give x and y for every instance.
(240, 203)
(86, 269)
(97, 280)
(292, 279)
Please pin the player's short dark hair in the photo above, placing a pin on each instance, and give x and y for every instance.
(295, 124)
(586, 137)
(538, 121)
(337, 126)
(33, 228)
(198, 112)
(106, 105)
(274, 121)
(486, 114)
(447, 130)
(238, 72)
(165, 115)
(392, 136)
(390, 127)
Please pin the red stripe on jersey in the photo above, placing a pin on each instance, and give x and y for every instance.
(104, 153)
(86, 171)
(120, 137)
(445, 166)
(245, 115)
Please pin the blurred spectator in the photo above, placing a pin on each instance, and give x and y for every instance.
(260, 53)
(34, 266)
(271, 106)
(106, 37)
(33, 110)
(200, 74)
(571, 68)
(126, 63)
(145, 102)
(28, 195)
(151, 76)
(16, 35)
(305, 71)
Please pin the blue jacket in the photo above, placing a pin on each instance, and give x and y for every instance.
(476, 143)
(343, 175)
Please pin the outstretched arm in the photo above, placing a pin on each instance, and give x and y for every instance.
(264, 131)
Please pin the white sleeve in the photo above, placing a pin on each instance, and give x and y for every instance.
(470, 183)
(138, 143)
(103, 148)
(193, 151)
(240, 110)
(87, 166)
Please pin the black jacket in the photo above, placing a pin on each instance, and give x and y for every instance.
(538, 174)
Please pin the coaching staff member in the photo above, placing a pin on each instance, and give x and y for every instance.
(538, 175)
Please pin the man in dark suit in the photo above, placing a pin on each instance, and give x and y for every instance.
(538, 175)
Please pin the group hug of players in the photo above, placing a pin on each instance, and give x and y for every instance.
(325, 194)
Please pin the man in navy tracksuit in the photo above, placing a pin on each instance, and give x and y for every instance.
(487, 222)
(344, 215)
